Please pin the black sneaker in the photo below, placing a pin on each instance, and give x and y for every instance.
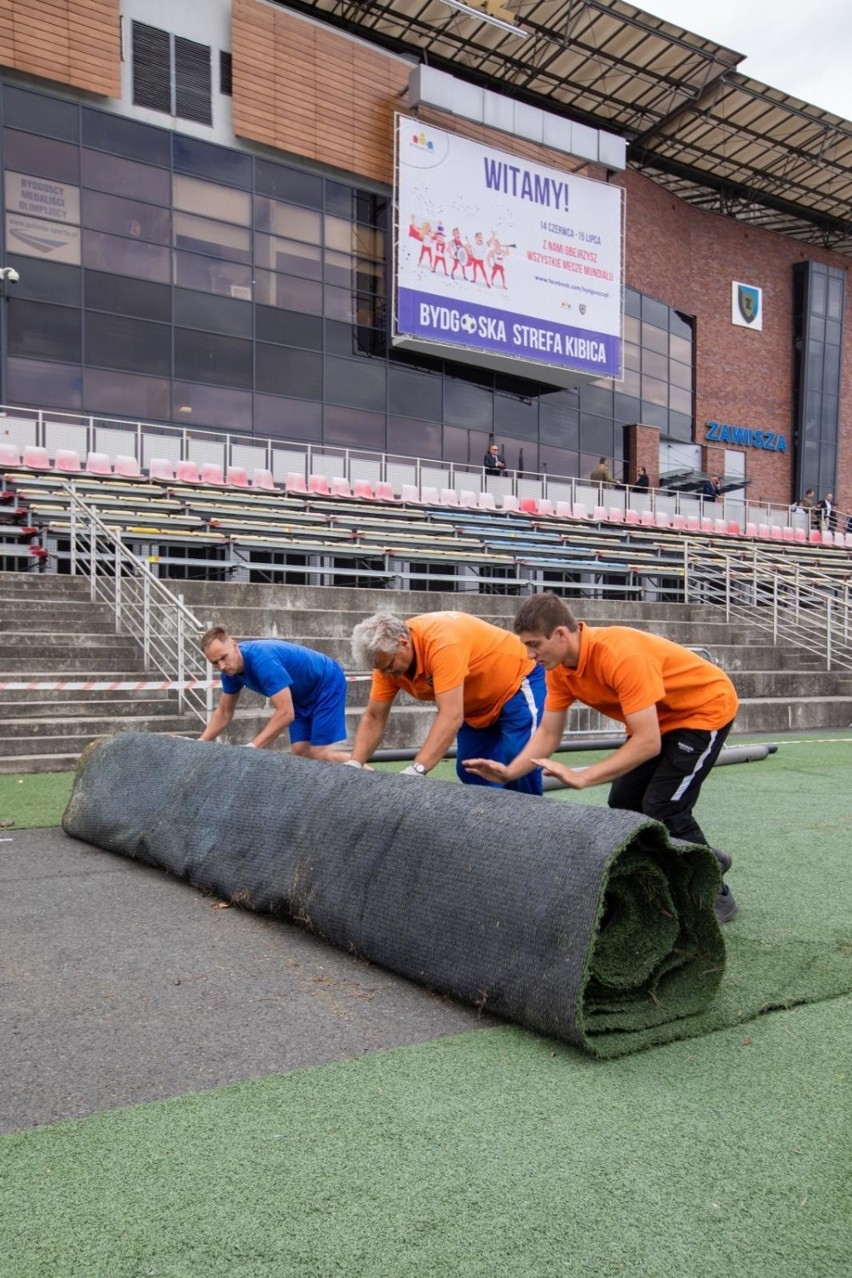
(723, 859)
(725, 905)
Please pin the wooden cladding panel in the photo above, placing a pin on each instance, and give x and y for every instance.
(70, 41)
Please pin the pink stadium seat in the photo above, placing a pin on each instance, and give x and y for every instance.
(679, 522)
(363, 488)
(510, 503)
(385, 492)
(632, 517)
(751, 529)
(706, 524)
(295, 482)
(469, 499)
(580, 510)
(720, 526)
(788, 534)
(487, 501)
(187, 472)
(647, 519)
(527, 506)
(430, 496)
(776, 533)
(662, 519)
(211, 473)
(599, 514)
(98, 464)
(319, 486)
(800, 535)
(67, 460)
(35, 458)
(449, 497)
(563, 509)
(544, 506)
(340, 486)
(410, 493)
(693, 523)
(616, 515)
(734, 527)
(763, 530)
(815, 537)
(127, 467)
(237, 476)
(161, 468)
(263, 478)
(828, 538)
(9, 455)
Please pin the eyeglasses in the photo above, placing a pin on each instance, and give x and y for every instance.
(387, 666)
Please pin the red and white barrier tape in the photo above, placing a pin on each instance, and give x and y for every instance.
(123, 685)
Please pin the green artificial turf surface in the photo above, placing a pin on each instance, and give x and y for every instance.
(35, 800)
(501, 1153)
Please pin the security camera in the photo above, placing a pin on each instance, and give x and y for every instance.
(9, 273)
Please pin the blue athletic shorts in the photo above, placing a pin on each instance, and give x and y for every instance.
(324, 723)
(506, 737)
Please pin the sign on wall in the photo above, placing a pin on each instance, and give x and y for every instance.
(39, 197)
(746, 305)
(35, 238)
(503, 262)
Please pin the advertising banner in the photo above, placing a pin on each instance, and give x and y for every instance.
(499, 256)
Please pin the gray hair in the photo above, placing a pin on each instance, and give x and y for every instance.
(380, 633)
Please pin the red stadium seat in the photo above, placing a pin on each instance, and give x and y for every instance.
(295, 482)
(9, 455)
(67, 460)
(127, 467)
(211, 473)
(187, 472)
(340, 486)
(237, 476)
(319, 486)
(263, 478)
(528, 506)
(364, 489)
(385, 492)
(98, 464)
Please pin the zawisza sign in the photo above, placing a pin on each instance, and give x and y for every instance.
(769, 440)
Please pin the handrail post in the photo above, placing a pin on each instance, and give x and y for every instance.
(73, 530)
(727, 589)
(828, 632)
(180, 662)
(146, 621)
(775, 608)
(93, 549)
(116, 564)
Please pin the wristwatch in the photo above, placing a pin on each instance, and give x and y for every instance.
(419, 769)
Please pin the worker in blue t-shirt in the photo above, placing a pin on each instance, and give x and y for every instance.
(307, 691)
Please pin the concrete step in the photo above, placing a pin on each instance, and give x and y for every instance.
(787, 714)
(91, 705)
(56, 621)
(63, 662)
(14, 730)
(776, 683)
(59, 743)
(27, 764)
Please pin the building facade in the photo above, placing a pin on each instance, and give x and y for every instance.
(198, 203)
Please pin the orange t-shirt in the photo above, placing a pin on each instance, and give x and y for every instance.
(621, 671)
(452, 648)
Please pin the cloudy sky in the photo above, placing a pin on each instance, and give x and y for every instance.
(802, 49)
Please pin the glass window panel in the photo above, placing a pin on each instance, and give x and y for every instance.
(632, 302)
(133, 345)
(126, 257)
(339, 234)
(41, 197)
(627, 408)
(369, 242)
(130, 138)
(631, 383)
(211, 200)
(126, 217)
(632, 329)
(288, 292)
(349, 340)
(360, 383)
(596, 399)
(456, 447)
(682, 326)
(832, 332)
(680, 425)
(206, 357)
(561, 429)
(225, 315)
(814, 366)
(43, 157)
(816, 328)
(559, 462)
(655, 339)
(45, 116)
(515, 418)
(835, 299)
(219, 239)
(340, 198)
(352, 428)
(290, 257)
(654, 415)
(654, 312)
(339, 268)
(469, 404)
(191, 155)
(655, 365)
(213, 275)
(655, 391)
(413, 392)
(819, 292)
(137, 181)
(212, 406)
(680, 400)
(282, 371)
(410, 438)
(126, 394)
(46, 281)
(125, 296)
(632, 356)
(680, 375)
(596, 435)
(289, 328)
(680, 349)
(287, 219)
(831, 368)
(29, 381)
(339, 304)
(288, 184)
(525, 461)
(288, 418)
(41, 331)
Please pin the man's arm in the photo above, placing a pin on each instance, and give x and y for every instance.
(642, 744)
(283, 715)
(444, 729)
(371, 729)
(542, 744)
(221, 716)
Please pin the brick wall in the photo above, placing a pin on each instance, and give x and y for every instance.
(74, 42)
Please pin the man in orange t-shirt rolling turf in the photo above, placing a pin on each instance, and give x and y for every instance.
(489, 693)
(677, 708)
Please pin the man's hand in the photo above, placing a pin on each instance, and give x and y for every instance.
(249, 745)
(574, 778)
(488, 769)
(411, 771)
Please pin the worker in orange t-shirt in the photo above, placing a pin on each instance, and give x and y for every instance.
(488, 692)
(677, 708)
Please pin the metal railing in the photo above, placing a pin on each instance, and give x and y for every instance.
(797, 604)
(143, 607)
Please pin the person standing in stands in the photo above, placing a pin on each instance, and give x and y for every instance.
(643, 480)
(711, 488)
(307, 691)
(492, 460)
(677, 708)
(489, 693)
(825, 512)
(601, 475)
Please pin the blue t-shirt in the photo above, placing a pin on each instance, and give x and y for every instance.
(272, 665)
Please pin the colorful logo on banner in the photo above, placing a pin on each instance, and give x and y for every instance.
(746, 305)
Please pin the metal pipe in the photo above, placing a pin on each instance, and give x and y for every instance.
(729, 754)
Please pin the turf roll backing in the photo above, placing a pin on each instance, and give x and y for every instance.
(582, 923)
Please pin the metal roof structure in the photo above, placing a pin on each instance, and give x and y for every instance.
(694, 124)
